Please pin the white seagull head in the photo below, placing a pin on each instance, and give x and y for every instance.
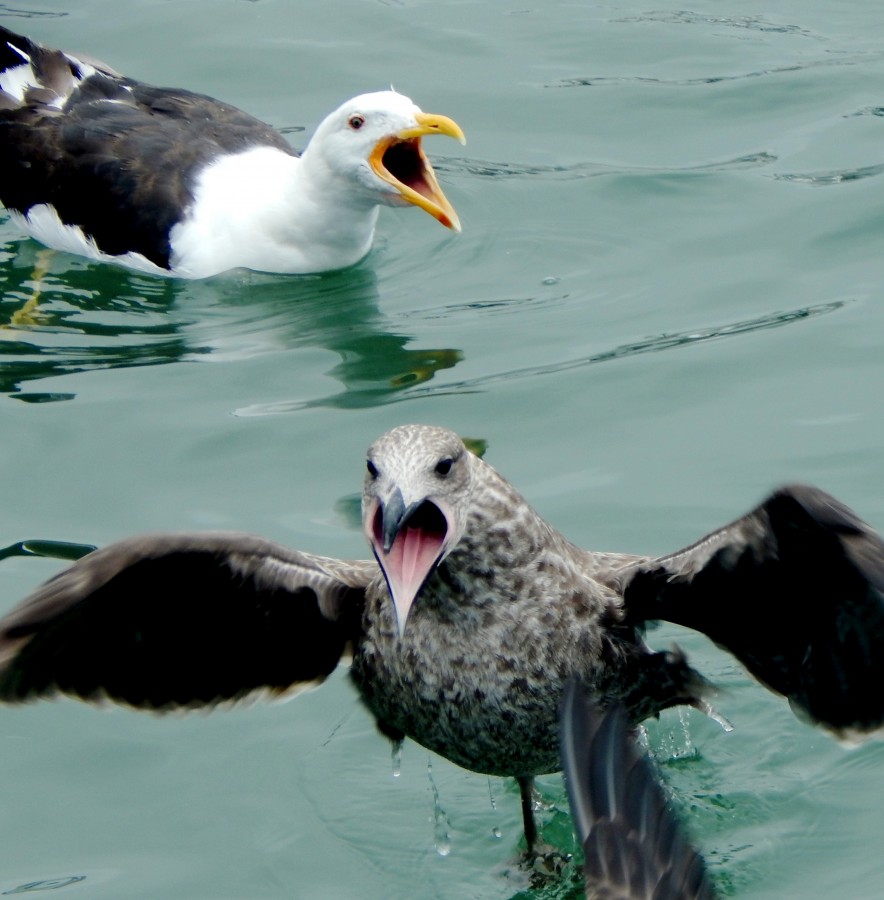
(374, 140)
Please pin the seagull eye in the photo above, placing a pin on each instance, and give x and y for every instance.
(356, 122)
(443, 467)
(372, 468)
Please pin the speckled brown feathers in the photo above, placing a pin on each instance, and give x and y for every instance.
(501, 624)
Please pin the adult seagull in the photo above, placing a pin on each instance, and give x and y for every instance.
(171, 182)
(470, 620)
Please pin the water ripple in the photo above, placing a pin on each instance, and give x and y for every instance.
(617, 80)
(30, 13)
(50, 884)
(461, 166)
(688, 17)
(824, 179)
(652, 344)
(867, 111)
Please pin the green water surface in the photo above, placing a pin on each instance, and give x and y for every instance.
(667, 299)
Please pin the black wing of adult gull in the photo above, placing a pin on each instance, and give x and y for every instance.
(633, 845)
(471, 619)
(173, 182)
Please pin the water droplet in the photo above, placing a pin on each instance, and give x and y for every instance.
(441, 836)
(686, 731)
(496, 832)
(551, 279)
(397, 759)
(717, 717)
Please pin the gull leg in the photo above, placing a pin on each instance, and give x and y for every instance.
(541, 860)
(25, 315)
(526, 789)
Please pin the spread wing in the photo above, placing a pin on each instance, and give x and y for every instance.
(795, 590)
(632, 844)
(164, 621)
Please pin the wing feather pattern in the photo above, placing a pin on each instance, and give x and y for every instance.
(166, 621)
(795, 590)
(632, 844)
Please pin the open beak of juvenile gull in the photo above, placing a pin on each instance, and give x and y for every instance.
(417, 486)
(399, 160)
(409, 540)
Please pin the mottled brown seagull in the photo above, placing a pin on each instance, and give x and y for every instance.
(171, 182)
(633, 846)
(472, 618)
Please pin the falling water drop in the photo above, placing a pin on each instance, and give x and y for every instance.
(716, 716)
(688, 749)
(443, 839)
(491, 796)
(441, 825)
(396, 757)
(495, 831)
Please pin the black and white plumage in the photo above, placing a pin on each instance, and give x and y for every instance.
(472, 618)
(633, 846)
(172, 182)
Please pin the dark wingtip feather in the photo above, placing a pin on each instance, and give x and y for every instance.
(633, 846)
(795, 590)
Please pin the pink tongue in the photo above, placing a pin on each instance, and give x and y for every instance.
(413, 553)
(407, 564)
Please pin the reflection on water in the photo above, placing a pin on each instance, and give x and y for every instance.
(46, 548)
(60, 315)
(90, 318)
(653, 344)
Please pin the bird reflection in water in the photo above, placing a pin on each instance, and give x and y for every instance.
(60, 315)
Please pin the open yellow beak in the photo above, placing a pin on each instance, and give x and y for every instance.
(400, 161)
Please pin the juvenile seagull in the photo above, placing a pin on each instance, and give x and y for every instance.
(633, 847)
(471, 619)
(171, 182)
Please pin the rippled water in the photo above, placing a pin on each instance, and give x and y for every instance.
(666, 299)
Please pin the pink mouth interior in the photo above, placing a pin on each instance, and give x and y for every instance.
(415, 551)
(404, 162)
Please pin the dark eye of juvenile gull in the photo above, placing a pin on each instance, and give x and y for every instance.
(443, 467)
(356, 122)
(372, 468)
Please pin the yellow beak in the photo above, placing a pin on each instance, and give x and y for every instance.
(400, 161)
